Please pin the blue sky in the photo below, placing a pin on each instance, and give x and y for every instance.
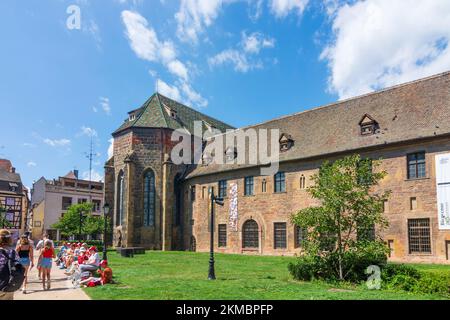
(242, 61)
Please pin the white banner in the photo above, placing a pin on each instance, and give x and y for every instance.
(233, 219)
(443, 190)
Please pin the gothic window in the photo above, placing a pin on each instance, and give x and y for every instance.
(280, 182)
(264, 185)
(149, 198)
(286, 142)
(368, 125)
(250, 234)
(302, 182)
(192, 193)
(120, 199)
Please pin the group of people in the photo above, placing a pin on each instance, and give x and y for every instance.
(81, 263)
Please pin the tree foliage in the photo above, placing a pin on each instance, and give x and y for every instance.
(4, 223)
(69, 224)
(341, 227)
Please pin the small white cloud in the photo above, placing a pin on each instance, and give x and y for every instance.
(95, 176)
(57, 142)
(31, 164)
(105, 105)
(167, 90)
(177, 68)
(231, 56)
(281, 8)
(254, 42)
(86, 131)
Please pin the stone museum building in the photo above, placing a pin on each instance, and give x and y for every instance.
(159, 204)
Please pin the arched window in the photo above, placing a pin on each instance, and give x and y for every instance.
(149, 198)
(120, 199)
(250, 234)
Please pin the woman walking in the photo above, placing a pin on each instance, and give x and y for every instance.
(47, 255)
(25, 250)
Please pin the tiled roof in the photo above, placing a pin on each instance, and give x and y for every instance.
(419, 109)
(9, 176)
(154, 114)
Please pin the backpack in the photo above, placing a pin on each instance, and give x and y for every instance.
(12, 273)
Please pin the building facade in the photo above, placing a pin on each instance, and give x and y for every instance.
(13, 200)
(50, 200)
(160, 204)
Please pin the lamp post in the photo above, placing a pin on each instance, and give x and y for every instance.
(219, 201)
(81, 223)
(105, 215)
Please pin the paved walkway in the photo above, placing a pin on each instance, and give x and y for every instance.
(61, 288)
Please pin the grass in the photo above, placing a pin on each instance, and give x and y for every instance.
(183, 275)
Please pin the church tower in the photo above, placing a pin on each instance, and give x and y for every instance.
(142, 184)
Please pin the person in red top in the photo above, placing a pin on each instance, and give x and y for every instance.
(46, 255)
(105, 276)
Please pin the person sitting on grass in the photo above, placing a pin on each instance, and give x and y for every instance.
(93, 263)
(105, 276)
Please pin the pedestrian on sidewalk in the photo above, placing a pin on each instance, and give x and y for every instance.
(40, 246)
(6, 253)
(47, 255)
(25, 251)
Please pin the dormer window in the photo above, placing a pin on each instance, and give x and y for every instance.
(368, 125)
(231, 153)
(132, 117)
(286, 142)
(171, 112)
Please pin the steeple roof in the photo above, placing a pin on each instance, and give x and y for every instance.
(162, 112)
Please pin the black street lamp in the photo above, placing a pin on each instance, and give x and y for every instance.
(81, 224)
(105, 215)
(219, 201)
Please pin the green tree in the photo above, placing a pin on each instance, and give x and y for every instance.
(69, 224)
(340, 227)
(4, 223)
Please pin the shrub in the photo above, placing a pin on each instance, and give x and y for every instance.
(307, 268)
(408, 278)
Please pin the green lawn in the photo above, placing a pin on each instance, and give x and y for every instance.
(183, 275)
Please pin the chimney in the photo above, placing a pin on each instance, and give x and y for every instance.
(75, 172)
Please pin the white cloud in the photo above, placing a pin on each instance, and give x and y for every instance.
(111, 148)
(241, 58)
(31, 164)
(193, 97)
(194, 16)
(86, 131)
(105, 105)
(177, 68)
(167, 90)
(57, 142)
(254, 42)
(281, 8)
(95, 176)
(146, 45)
(255, 9)
(380, 43)
(235, 57)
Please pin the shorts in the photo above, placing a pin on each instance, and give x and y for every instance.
(25, 262)
(46, 263)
